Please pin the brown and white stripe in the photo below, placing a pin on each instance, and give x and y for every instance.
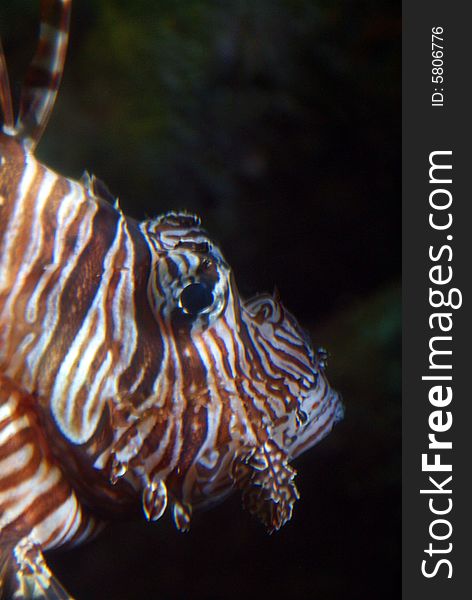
(131, 371)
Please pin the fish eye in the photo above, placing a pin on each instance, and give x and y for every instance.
(195, 298)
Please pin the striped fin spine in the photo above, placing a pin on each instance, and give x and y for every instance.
(5, 94)
(38, 507)
(5, 558)
(45, 71)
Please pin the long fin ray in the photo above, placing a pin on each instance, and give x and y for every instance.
(45, 71)
(5, 95)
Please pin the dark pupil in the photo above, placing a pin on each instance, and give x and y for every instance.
(195, 298)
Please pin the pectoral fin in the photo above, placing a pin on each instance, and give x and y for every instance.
(24, 575)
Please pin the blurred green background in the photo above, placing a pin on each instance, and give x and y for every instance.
(278, 122)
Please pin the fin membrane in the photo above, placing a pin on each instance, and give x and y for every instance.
(24, 575)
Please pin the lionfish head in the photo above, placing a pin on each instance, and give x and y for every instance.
(303, 406)
(247, 364)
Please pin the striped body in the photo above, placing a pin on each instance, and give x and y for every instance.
(131, 371)
(36, 500)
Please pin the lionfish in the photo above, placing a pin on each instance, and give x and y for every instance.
(133, 376)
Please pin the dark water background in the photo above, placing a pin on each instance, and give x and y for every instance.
(278, 121)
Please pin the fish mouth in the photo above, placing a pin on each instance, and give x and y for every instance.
(340, 409)
(329, 413)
